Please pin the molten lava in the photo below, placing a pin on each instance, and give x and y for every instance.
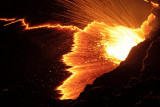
(96, 52)
(121, 41)
(27, 27)
(155, 5)
(102, 45)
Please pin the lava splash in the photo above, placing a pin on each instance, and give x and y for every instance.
(98, 49)
(104, 43)
(101, 46)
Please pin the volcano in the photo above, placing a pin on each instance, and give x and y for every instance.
(132, 83)
(111, 59)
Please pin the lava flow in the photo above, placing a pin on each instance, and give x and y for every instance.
(101, 45)
(27, 27)
(99, 51)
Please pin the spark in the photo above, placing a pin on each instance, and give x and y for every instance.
(101, 45)
(146, 0)
(99, 51)
(155, 5)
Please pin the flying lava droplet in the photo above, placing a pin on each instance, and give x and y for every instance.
(96, 52)
(99, 48)
(101, 45)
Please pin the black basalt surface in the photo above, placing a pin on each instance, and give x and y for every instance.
(134, 83)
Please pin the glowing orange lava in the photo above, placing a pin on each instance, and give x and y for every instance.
(122, 39)
(96, 52)
(27, 27)
(155, 5)
(7, 20)
(101, 45)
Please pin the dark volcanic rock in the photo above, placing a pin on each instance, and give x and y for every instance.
(132, 95)
(134, 83)
(152, 60)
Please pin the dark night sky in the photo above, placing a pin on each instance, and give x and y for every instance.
(31, 66)
(35, 11)
(30, 60)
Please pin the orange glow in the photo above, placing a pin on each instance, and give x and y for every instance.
(99, 51)
(124, 39)
(146, 0)
(5, 19)
(155, 5)
(101, 45)
(87, 60)
(119, 46)
(27, 27)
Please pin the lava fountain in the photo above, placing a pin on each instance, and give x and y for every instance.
(103, 44)
(115, 27)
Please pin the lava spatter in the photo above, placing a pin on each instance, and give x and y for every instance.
(101, 45)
